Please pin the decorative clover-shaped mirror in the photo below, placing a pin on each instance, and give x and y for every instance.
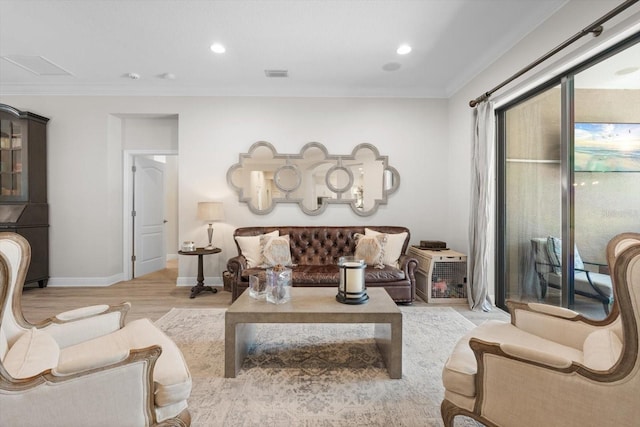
(313, 179)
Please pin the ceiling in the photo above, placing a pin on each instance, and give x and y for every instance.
(328, 47)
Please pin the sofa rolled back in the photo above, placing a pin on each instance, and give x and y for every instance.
(320, 245)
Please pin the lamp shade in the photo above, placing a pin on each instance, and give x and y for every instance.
(210, 211)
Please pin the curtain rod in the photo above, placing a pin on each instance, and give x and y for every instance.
(595, 29)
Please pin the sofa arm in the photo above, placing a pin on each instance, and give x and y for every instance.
(236, 264)
(408, 265)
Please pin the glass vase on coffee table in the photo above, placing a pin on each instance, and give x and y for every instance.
(278, 284)
(257, 287)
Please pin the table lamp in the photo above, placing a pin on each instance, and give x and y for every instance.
(210, 212)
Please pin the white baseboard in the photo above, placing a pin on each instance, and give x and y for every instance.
(84, 281)
(191, 281)
(171, 257)
(62, 282)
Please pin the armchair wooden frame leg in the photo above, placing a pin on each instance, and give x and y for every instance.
(449, 411)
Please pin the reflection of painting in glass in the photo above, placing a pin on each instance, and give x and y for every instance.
(607, 147)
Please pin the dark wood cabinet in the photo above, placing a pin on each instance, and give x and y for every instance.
(23, 185)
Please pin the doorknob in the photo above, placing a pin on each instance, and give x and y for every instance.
(164, 221)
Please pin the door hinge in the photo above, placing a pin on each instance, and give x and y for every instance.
(133, 213)
(133, 168)
(133, 257)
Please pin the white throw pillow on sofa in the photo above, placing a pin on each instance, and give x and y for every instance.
(251, 248)
(393, 247)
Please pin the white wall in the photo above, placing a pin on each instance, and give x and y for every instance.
(140, 132)
(410, 131)
(85, 137)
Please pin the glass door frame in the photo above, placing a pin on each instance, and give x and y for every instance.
(567, 190)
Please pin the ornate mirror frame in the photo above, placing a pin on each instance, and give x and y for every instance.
(313, 179)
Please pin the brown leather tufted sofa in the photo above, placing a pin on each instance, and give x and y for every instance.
(315, 252)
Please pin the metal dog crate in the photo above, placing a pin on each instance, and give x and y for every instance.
(441, 276)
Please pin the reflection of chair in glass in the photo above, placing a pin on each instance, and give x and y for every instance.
(547, 255)
(84, 367)
(550, 365)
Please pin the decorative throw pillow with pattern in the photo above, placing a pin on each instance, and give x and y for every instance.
(275, 250)
(371, 249)
(394, 246)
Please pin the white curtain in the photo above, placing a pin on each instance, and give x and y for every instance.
(482, 206)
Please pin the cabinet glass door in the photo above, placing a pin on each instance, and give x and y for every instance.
(12, 154)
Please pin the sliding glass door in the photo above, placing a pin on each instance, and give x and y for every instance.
(606, 183)
(568, 181)
(531, 192)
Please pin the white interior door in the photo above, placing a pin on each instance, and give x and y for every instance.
(148, 220)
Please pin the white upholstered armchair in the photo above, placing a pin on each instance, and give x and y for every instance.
(552, 366)
(83, 367)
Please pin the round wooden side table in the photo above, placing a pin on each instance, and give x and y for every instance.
(199, 287)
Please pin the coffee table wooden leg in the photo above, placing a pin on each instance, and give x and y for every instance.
(238, 337)
(389, 340)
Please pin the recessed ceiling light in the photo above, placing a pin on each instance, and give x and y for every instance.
(218, 48)
(403, 49)
(167, 76)
(133, 76)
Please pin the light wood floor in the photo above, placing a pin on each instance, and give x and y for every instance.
(153, 296)
(150, 296)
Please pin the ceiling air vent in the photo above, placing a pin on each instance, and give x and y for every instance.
(37, 65)
(276, 73)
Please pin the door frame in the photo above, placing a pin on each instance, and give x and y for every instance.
(127, 205)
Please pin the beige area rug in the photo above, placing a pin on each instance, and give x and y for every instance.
(317, 375)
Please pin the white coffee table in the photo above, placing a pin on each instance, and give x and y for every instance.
(313, 305)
